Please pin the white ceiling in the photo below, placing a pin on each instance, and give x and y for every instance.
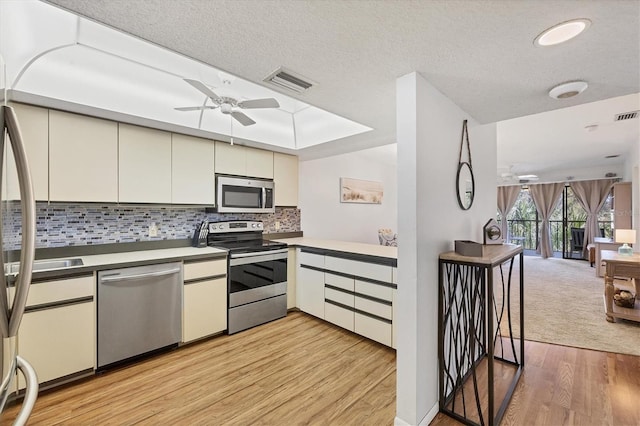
(478, 53)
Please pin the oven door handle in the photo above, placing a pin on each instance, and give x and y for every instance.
(247, 258)
(264, 253)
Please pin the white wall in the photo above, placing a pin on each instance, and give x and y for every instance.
(429, 127)
(322, 213)
(631, 173)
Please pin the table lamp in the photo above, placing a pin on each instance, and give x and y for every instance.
(625, 236)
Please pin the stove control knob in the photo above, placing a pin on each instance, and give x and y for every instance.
(253, 225)
(260, 225)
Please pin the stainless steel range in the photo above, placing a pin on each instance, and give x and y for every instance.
(257, 273)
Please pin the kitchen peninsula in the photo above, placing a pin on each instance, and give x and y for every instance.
(352, 285)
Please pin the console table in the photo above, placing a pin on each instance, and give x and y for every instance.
(620, 266)
(475, 331)
(601, 245)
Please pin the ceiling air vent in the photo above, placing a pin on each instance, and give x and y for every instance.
(289, 80)
(626, 116)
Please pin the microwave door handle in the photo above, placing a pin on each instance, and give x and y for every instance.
(264, 198)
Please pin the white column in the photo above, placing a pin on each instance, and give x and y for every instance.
(429, 128)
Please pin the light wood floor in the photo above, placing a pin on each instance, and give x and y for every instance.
(300, 370)
(297, 370)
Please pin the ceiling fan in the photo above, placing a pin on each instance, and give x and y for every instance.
(511, 176)
(229, 105)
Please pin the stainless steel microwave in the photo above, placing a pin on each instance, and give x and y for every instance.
(244, 195)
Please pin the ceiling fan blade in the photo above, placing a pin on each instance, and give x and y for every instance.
(242, 118)
(204, 89)
(259, 103)
(195, 108)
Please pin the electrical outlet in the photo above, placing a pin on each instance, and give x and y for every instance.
(153, 230)
(277, 225)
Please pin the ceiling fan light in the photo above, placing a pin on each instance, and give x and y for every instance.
(561, 32)
(568, 90)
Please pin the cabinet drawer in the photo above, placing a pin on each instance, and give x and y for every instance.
(359, 269)
(372, 328)
(339, 281)
(374, 308)
(310, 259)
(339, 316)
(338, 296)
(374, 290)
(59, 290)
(204, 309)
(208, 268)
(70, 349)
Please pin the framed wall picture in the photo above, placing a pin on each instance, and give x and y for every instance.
(360, 191)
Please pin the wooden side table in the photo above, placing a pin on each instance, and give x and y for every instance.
(622, 266)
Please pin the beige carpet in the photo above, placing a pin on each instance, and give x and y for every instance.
(563, 305)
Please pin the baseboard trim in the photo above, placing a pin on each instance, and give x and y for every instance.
(397, 421)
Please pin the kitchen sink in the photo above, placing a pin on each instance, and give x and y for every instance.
(45, 265)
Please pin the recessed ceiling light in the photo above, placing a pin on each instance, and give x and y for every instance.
(568, 90)
(591, 127)
(561, 32)
(613, 156)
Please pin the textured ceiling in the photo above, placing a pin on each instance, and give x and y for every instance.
(478, 53)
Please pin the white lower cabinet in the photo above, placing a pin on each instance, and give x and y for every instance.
(310, 291)
(204, 310)
(352, 294)
(58, 331)
(310, 283)
(373, 328)
(394, 332)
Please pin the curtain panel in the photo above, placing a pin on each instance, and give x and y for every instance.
(591, 194)
(507, 197)
(545, 197)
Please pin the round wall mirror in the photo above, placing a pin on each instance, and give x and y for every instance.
(465, 185)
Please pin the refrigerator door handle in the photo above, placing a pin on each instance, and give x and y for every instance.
(27, 200)
(31, 391)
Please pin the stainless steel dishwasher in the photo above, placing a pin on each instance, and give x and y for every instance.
(139, 310)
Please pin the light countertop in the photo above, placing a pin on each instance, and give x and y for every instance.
(343, 246)
(132, 258)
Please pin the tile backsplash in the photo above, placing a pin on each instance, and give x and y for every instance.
(66, 224)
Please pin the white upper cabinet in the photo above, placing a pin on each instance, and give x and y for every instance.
(83, 158)
(243, 161)
(192, 173)
(259, 163)
(144, 165)
(285, 177)
(34, 126)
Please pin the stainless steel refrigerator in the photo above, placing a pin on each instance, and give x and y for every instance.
(14, 288)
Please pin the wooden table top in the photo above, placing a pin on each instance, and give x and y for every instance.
(615, 257)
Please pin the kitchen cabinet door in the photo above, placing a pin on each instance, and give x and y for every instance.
(285, 176)
(291, 278)
(58, 331)
(34, 126)
(205, 309)
(310, 284)
(394, 301)
(243, 161)
(310, 291)
(83, 158)
(230, 159)
(192, 173)
(259, 163)
(144, 165)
